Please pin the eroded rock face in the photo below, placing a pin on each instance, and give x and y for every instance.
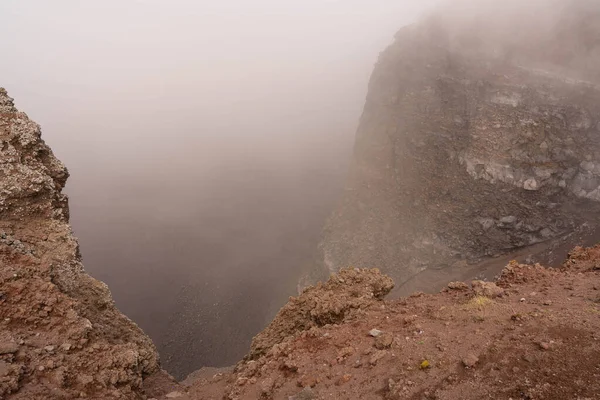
(342, 296)
(62, 335)
(479, 137)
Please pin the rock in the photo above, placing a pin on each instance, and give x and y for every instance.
(587, 166)
(66, 346)
(547, 302)
(487, 289)
(458, 286)
(544, 345)
(529, 358)
(531, 184)
(487, 223)
(509, 220)
(305, 394)
(384, 341)
(546, 233)
(470, 361)
(174, 395)
(377, 356)
(49, 295)
(328, 303)
(423, 189)
(375, 332)
(266, 386)
(8, 347)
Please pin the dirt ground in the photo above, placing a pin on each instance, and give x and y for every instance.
(535, 334)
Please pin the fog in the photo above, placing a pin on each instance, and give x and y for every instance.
(207, 142)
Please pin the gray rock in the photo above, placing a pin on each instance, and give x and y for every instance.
(587, 166)
(546, 232)
(375, 332)
(509, 220)
(507, 161)
(305, 394)
(458, 286)
(487, 223)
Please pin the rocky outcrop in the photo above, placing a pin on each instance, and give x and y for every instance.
(61, 336)
(480, 136)
(344, 295)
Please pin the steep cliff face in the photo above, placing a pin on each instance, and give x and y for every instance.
(480, 137)
(61, 336)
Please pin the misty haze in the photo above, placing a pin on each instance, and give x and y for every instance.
(298, 200)
(207, 143)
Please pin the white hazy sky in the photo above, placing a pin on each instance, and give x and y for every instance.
(102, 73)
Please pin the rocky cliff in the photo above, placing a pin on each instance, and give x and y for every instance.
(480, 138)
(61, 336)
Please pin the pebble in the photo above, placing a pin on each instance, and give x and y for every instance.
(544, 345)
(470, 360)
(65, 346)
(529, 358)
(547, 302)
(174, 395)
(511, 219)
(458, 286)
(384, 341)
(530, 184)
(375, 332)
